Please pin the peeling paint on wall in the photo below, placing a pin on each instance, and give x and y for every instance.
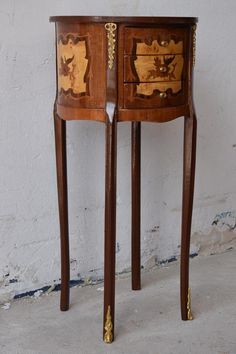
(214, 242)
(117, 247)
(225, 220)
(153, 229)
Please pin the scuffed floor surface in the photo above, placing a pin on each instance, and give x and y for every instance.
(147, 321)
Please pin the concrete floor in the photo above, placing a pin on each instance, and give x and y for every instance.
(147, 321)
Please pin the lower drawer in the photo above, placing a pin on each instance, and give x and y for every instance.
(155, 94)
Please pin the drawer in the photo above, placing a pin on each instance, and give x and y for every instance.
(153, 68)
(148, 41)
(155, 94)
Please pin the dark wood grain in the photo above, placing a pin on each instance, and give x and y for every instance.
(158, 115)
(110, 196)
(60, 143)
(136, 204)
(125, 19)
(110, 224)
(76, 113)
(190, 132)
(189, 158)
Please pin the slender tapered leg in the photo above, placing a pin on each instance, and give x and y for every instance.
(110, 232)
(60, 142)
(135, 172)
(190, 130)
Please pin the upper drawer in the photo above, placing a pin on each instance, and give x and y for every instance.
(153, 41)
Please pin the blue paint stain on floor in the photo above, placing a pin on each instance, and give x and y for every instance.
(169, 260)
(175, 258)
(192, 255)
(44, 289)
(76, 282)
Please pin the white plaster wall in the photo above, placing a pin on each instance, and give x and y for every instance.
(29, 233)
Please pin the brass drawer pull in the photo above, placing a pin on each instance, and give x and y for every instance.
(163, 94)
(164, 43)
(163, 69)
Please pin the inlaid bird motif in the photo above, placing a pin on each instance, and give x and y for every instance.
(162, 69)
(65, 69)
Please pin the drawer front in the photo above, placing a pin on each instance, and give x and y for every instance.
(157, 94)
(154, 67)
(152, 41)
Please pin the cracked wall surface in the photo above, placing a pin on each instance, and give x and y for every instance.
(29, 232)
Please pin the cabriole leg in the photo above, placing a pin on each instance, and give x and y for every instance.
(60, 143)
(136, 178)
(190, 130)
(110, 232)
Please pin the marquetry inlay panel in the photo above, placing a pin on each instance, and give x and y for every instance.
(167, 69)
(137, 63)
(154, 68)
(153, 46)
(73, 65)
(154, 62)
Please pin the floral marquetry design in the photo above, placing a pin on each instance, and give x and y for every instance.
(73, 65)
(163, 69)
(158, 72)
(158, 68)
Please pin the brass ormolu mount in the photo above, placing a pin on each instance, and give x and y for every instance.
(111, 28)
(189, 314)
(194, 43)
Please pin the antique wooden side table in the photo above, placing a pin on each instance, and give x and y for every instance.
(116, 69)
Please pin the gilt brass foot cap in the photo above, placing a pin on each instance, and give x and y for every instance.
(189, 312)
(108, 336)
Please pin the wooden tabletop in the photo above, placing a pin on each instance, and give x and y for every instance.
(125, 19)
